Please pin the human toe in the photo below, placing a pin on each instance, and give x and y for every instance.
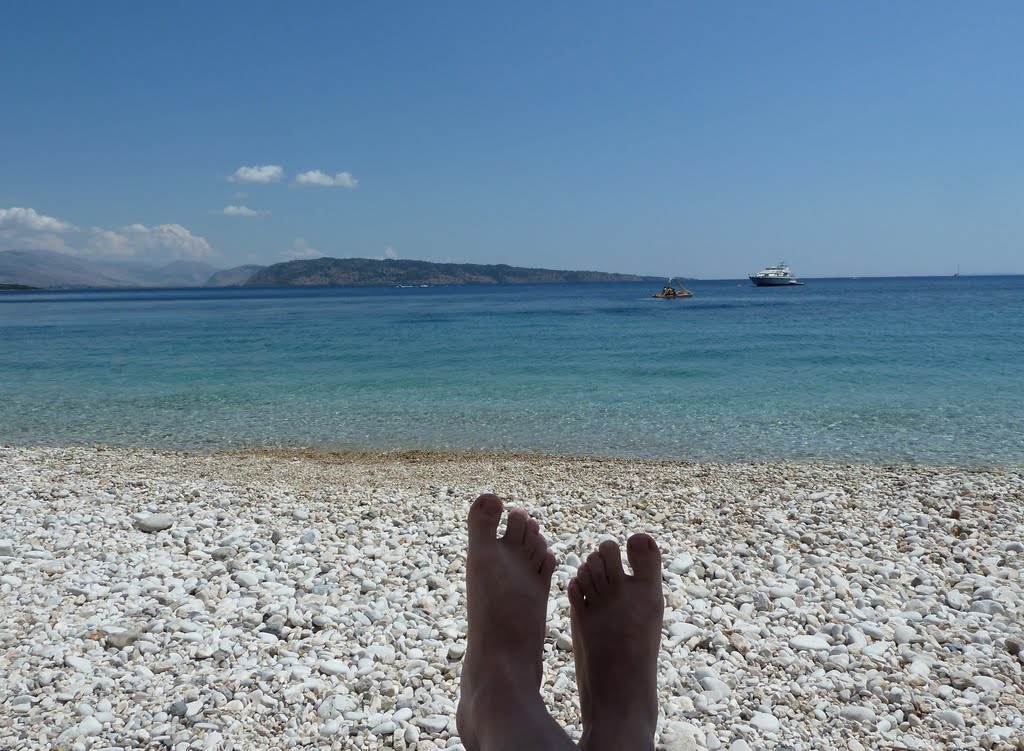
(538, 548)
(547, 566)
(644, 557)
(515, 527)
(612, 559)
(484, 515)
(597, 571)
(586, 581)
(575, 593)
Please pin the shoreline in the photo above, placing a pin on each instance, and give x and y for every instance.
(314, 600)
(428, 455)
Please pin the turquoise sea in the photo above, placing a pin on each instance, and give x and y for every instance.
(922, 370)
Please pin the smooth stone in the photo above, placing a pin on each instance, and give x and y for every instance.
(80, 664)
(435, 723)
(715, 686)
(89, 727)
(953, 718)
(402, 715)
(681, 564)
(122, 639)
(683, 631)
(863, 715)
(810, 643)
(246, 579)
(956, 600)
(155, 523)
(335, 706)
(986, 683)
(920, 668)
(678, 736)
(767, 722)
(904, 634)
(333, 667)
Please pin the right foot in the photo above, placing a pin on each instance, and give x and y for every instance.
(507, 585)
(616, 635)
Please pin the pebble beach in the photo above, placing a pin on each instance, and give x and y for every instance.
(279, 600)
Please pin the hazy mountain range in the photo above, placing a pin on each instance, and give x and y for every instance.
(46, 269)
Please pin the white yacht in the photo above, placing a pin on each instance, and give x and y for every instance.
(775, 276)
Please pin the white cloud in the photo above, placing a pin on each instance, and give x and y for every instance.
(12, 240)
(17, 218)
(267, 173)
(162, 243)
(300, 249)
(241, 211)
(316, 177)
(109, 244)
(28, 229)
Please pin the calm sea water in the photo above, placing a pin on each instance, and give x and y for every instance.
(926, 370)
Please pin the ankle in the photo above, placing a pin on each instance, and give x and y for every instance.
(617, 732)
(505, 706)
(502, 680)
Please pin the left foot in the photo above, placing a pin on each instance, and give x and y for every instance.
(507, 585)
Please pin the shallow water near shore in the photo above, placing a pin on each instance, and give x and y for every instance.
(920, 370)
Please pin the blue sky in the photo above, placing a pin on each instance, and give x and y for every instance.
(707, 140)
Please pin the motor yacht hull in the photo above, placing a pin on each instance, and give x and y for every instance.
(773, 281)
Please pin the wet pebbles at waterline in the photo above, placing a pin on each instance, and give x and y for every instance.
(273, 601)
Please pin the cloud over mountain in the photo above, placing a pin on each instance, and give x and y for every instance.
(301, 249)
(27, 228)
(17, 217)
(165, 242)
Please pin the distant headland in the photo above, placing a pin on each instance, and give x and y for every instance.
(368, 271)
(40, 269)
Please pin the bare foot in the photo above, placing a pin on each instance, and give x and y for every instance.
(616, 634)
(507, 584)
